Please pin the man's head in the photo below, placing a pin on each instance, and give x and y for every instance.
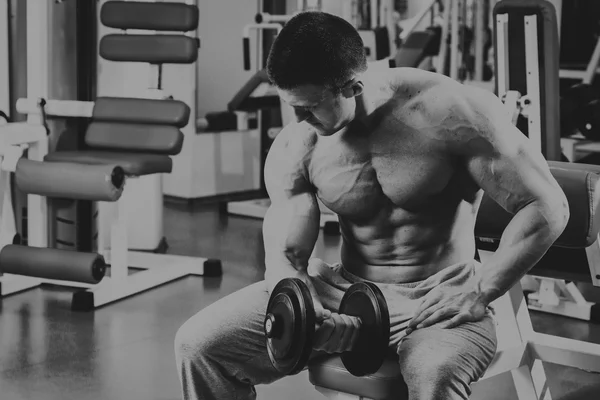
(314, 63)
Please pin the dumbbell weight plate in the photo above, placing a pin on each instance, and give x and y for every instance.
(289, 326)
(365, 301)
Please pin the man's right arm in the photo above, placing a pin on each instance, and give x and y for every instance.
(291, 224)
(290, 231)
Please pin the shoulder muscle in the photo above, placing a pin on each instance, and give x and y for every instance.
(286, 164)
(476, 127)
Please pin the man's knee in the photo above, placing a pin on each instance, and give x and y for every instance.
(445, 362)
(434, 376)
(186, 342)
(195, 339)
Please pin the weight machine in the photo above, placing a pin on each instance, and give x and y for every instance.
(521, 91)
(257, 87)
(4, 58)
(127, 137)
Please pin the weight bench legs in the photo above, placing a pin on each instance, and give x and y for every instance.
(525, 383)
(156, 269)
(11, 284)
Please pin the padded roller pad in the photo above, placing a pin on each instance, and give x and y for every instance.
(581, 185)
(154, 49)
(387, 383)
(140, 138)
(46, 263)
(70, 181)
(142, 111)
(154, 16)
(133, 164)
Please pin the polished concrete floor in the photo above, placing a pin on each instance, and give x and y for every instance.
(125, 350)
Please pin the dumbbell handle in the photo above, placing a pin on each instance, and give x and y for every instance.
(274, 326)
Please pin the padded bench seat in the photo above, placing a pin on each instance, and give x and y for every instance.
(134, 164)
(386, 384)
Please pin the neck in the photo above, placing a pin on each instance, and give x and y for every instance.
(368, 101)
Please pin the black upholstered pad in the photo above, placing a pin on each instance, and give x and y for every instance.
(581, 185)
(387, 383)
(155, 49)
(142, 111)
(132, 163)
(154, 16)
(141, 138)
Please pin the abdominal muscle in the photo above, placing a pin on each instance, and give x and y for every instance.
(401, 252)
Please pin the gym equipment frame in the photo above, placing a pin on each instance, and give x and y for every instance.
(157, 269)
(547, 294)
(257, 208)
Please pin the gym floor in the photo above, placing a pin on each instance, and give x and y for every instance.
(125, 350)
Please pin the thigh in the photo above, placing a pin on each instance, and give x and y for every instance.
(230, 331)
(458, 356)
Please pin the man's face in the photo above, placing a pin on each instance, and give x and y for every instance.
(321, 108)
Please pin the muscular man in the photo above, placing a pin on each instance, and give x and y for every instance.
(403, 157)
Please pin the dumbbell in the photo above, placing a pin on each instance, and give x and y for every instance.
(290, 325)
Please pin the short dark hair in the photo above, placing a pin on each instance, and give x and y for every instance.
(316, 48)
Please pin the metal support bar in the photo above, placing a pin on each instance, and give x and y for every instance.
(532, 101)
(590, 71)
(56, 108)
(20, 133)
(38, 69)
(502, 73)
(593, 256)
(374, 14)
(416, 20)
(270, 18)
(454, 41)
(568, 352)
(444, 39)
(479, 43)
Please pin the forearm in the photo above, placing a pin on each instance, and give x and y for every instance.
(525, 240)
(287, 250)
(278, 268)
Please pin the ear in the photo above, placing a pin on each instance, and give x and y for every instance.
(354, 89)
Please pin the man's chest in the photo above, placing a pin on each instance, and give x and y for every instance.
(359, 177)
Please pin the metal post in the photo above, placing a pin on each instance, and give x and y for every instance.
(479, 33)
(454, 41)
(502, 71)
(444, 39)
(38, 67)
(4, 57)
(533, 81)
(374, 14)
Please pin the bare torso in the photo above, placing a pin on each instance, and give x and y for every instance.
(406, 205)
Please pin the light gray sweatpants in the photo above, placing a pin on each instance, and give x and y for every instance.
(221, 352)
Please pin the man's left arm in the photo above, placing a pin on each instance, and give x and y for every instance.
(475, 126)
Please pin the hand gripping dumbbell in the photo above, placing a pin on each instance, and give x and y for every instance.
(290, 325)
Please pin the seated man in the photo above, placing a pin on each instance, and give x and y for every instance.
(403, 157)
